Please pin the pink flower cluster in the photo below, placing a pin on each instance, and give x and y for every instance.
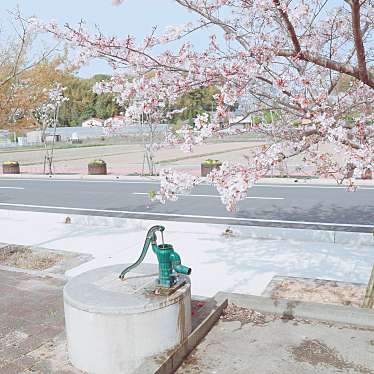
(308, 64)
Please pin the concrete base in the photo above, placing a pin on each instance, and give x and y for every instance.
(112, 326)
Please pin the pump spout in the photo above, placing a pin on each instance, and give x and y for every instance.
(181, 269)
(177, 265)
(150, 238)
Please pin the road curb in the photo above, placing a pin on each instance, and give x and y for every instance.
(109, 177)
(263, 181)
(310, 235)
(301, 309)
(302, 181)
(355, 239)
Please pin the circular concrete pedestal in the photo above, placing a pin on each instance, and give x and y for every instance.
(113, 325)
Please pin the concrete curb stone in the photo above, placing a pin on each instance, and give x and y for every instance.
(302, 309)
(310, 235)
(281, 181)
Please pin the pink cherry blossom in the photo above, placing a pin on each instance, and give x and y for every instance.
(308, 63)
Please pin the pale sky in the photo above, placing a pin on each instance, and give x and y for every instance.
(134, 17)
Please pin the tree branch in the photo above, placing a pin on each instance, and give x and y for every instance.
(325, 62)
(290, 28)
(359, 44)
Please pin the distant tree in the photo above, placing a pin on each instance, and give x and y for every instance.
(46, 115)
(83, 102)
(105, 107)
(196, 102)
(23, 76)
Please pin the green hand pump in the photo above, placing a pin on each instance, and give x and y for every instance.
(169, 262)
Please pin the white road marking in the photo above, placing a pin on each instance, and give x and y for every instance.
(183, 215)
(192, 195)
(314, 186)
(275, 185)
(12, 188)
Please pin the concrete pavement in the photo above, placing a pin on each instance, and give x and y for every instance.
(248, 341)
(31, 315)
(247, 338)
(238, 263)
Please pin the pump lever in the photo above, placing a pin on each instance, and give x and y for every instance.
(151, 237)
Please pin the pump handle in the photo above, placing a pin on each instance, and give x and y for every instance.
(151, 237)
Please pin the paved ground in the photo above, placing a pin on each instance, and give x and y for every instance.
(282, 347)
(238, 263)
(31, 316)
(32, 338)
(300, 205)
(126, 158)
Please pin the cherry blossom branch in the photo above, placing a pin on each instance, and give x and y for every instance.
(327, 63)
(289, 26)
(360, 49)
(275, 55)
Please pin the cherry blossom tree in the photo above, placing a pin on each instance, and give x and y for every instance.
(24, 72)
(308, 62)
(46, 116)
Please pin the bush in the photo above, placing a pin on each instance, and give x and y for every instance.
(210, 162)
(97, 163)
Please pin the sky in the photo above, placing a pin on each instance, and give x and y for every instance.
(134, 17)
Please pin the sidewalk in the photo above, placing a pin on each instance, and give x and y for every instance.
(252, 335)
(31, 315)
(249, 341)
(235, 264)
(127, 158)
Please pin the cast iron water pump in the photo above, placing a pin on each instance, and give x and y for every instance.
(169, 262)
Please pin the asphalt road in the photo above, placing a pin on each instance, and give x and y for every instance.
(278, 205)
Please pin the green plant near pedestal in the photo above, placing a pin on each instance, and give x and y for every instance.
(209, 162)
(97, 167)
(11, 167)
(97, 163)
(208, 165)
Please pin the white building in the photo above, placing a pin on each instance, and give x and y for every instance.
(116, 121)
(93, 122)
(66, 134)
